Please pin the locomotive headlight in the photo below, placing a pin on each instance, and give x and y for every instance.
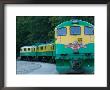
(75, 21)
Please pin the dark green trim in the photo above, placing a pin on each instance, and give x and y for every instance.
(28, 54)
(70, 23)
(49, 53)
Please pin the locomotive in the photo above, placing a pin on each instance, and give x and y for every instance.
(74, 46)
(72, 50)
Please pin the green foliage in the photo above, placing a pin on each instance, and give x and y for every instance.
(40, 29)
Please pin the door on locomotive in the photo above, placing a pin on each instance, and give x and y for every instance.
(74, 46)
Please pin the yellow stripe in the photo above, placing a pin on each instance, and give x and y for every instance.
(71, 38)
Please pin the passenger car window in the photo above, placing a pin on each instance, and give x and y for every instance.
(41, 48)
(37, 48)
(88, 30)
(45, 47)
(61, 31)
(34, 49)
(28, 49)
(24, 49)
(53, 47)
(75, 30)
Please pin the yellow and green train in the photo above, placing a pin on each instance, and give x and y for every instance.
(72, 50)
(41, 52)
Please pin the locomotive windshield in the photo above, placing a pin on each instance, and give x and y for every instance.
(75, 30)
(89, 31)
(61, 31)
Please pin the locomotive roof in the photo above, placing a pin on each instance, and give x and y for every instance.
(46, 44)
(71, 22)
(32, 46)
(27, 46)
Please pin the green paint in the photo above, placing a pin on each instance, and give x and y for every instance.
(65, 56)
(27, 53)
(62, 49)
(89, 48)
(70, 23)
(63, 66)
(49, 53)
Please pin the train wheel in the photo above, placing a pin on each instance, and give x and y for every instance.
(51, 60)
(48, 60)
(43, 59)
(54, 61)
(28, 58)
(24, 58)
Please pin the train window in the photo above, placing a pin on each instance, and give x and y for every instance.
(34, 49)
(41, 48)
(28, 49)
(61, 31)
(75, 30)
(52, 47)
(45, 47)
(24, 49)
(88, 30)
(37, 48)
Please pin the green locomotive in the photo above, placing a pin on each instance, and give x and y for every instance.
(73, 49)
(74, 46)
